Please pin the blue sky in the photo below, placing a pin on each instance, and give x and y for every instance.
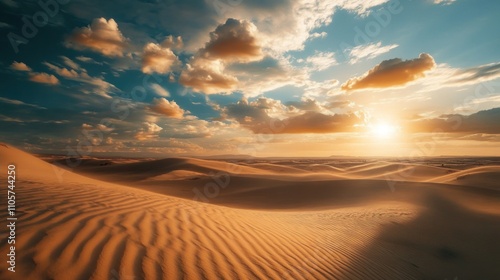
(163, 78)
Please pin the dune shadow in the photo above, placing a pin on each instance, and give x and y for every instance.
(445, 241)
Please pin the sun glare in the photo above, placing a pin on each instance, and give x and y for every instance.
(384, 130)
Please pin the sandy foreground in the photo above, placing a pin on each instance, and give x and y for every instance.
(203, 219)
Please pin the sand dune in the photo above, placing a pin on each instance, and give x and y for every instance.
(266, 224)
(484, 176)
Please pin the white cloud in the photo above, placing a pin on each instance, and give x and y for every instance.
(316, 35)
(444, 2)
(287, 25)
(368, 51)
(321, 60)
(159, 90)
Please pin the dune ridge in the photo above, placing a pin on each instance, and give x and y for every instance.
(75, 227)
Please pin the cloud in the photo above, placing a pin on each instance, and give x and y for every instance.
(444, 76)
(18, 102)
(268, 116)
(315, 122)
(287, 24)
(477, 74)
(148, 131)
(96, 85)
(167, 108)
(207, 76)
(20, 66)
(43, 78)
(233, 40)
(316, 35)
(361, 7)
(481, 122)
(172, 42)
(258, 77)
(369, 51)
(306, 105)
(321, 60)
(392, 72)
(444, 2)
(87, 60)
(70, 63)
(102, 36)
(61, 71)
(100, 127)
(158, 59)
(251, 78)
(159, 90)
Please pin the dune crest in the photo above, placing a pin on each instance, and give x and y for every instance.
(75, 227)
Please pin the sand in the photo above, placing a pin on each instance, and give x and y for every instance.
(262, 220)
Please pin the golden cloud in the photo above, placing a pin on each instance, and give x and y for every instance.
(44, 78)
(392, 72)
(167, 108)
(234, 40)
(102, 36)
(158, 59)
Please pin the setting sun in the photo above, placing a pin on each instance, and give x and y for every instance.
(384, 130)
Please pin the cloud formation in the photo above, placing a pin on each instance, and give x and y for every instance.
(43, 78)
(444, 2)
(392, 72)
(268, 116)
(18, 102)
(321, 61)
(20, 66)
(481, 122)
(167, 108)
(158, 59)
(96, 85)
(207, 76)
(148, 131)
(159, 90)
(477, 74)
(233, 40)
(369, 51)
(102, 36)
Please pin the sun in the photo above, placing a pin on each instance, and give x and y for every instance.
(384, 130)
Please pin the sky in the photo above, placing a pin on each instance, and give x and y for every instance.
(262, 78)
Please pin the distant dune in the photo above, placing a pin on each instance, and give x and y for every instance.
(255, 220)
